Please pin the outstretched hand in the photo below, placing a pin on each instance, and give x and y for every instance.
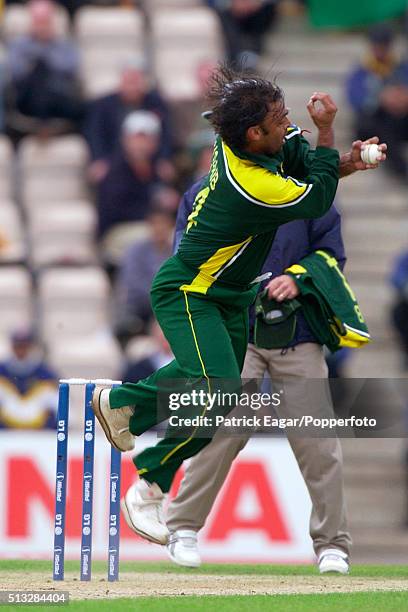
(351, 162)
(355, 153)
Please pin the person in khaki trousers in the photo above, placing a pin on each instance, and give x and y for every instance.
(319, 459)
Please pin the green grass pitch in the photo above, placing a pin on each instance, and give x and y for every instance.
(383, 601)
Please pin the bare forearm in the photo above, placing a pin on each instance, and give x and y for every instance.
(346, 166)
(325, 138)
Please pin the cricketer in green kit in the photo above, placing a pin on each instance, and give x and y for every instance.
(263, 174)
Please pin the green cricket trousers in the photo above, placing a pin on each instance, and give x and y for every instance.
(209, 341)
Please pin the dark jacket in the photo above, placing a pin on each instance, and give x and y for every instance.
(293, 241)
(135, 371)
(364, 84)
(399, 275)
(122, 196)
(105, 117)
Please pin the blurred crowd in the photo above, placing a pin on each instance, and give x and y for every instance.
(144, 149)
(377, 90)
(145, 146)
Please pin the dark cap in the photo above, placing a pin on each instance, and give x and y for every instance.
(275, 322)
(24, 335)
(381, 34)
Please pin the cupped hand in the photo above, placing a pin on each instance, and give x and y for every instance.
(355, 153)
(282, 288)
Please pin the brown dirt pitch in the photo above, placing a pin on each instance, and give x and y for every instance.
(133, 584)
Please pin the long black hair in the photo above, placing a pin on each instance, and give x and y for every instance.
(239, 101)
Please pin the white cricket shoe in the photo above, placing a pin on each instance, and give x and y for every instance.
(333, 560)
(142, 508)
(182, 548)
(114, 421)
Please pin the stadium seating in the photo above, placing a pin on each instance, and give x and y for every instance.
(6, 156)
(73, 302)
(12, 243)
(53, 169)
(15, 21)
(100, 72)
(140, 347)
(108, 26)
(153, 5)
(2, 53)
(107, 37)
(15, 298)
(62, 232)
(174, 31)
(91, 356)
(120, 237)
(4, 348)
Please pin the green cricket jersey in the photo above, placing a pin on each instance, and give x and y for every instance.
(242, 202)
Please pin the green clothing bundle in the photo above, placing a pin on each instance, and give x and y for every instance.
(328, 302)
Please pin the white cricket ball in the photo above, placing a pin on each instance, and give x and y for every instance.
(371, 154)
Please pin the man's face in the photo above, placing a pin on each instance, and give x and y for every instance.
(140, 146)
(381, 51)
(161, 227)
(268, 137)
(22, 349)
(133, 85)
(42, 20)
